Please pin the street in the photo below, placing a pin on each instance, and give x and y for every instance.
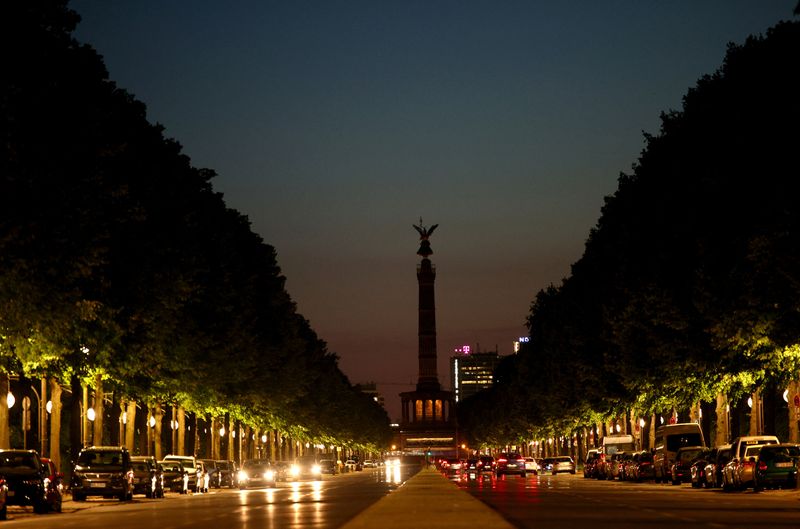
(566, 501)
(320, 504)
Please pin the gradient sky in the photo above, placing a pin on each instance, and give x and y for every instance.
(336, 125)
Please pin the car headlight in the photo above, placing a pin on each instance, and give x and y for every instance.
(316, 469)
(269, 475)
(294, 470)
(242, 475)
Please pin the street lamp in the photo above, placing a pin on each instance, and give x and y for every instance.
(90, 414)
(222, 432)
(10, 400)
(152, 422)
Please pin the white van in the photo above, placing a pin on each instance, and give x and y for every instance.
(669, 438)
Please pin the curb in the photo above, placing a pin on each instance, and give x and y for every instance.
(428, 500)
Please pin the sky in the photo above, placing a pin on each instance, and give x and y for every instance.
(336, 125)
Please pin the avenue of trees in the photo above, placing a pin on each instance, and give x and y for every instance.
(124, 272)
(687, 296)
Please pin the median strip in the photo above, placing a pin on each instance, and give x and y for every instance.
(428, 497)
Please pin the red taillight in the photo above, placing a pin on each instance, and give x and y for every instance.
(502, 460)
(762, 466)
(645, 464)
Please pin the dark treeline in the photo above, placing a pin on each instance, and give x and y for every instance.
(689, 285)
(120, 266)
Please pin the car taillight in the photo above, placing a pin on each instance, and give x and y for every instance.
(644, 464)
(502, 460)
(762, 466)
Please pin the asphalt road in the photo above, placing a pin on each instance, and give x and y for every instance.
(328, 503)
(570, 501)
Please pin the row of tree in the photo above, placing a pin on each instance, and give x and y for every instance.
(689, 286)
(122, 268)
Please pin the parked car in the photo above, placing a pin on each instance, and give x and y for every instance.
(102, 471)
(257, 473)
(55, 486)
(213, 473)
(697, 471)
(3, 498)
(777, 466)
(590, 463)
(369, 463)
(328, 466)
(738, 472)
(228, 471)
(716, 466)
(510, 463)
(203, 478)
(681, 469)
(641, 467)
(175, 476)
(147, 478)
(614, 465)
(190, 464)
(26, 478)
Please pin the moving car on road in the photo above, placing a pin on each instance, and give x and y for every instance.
(510, 463)
(257, 473)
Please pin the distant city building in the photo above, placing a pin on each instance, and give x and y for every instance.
(371, 389)
(471, 371)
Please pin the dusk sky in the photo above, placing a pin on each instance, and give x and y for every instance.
(334, 126)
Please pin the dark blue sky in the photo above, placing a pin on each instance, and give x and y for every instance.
(335, 125)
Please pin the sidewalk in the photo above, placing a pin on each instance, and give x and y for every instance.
(428, 501)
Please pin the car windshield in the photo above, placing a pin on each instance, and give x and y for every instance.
(140, 466)
(779, 453)
(223, 465)
(17, 461)
(675, 442)
(252, 465)
(688, 455)
(752, 451)
(171, 467)
(100, 459)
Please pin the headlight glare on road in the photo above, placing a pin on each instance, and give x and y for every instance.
(316, 469)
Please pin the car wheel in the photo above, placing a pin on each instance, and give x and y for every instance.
(40, 507)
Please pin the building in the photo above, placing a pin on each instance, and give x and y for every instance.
(428, 425)
(371, 389)
(472, 371)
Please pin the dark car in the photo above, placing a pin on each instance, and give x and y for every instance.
(328, 466)
(590, 465)
(175, 476)
(228, 471)
(681, 470)
(102, 471)
(147, 477)
(306, 467)
(487, 463)
(642, 466)
(510, 463)
(26, 478)
(55, 486)
(257, 473)
(698, 469)
(777, 466)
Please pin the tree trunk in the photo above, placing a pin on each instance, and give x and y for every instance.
(794, 412)
(5, 430)
(652, 430)
(755, 414)
(159, 415)
(55, 422)
(181, 449)
(76, 418)
(723, 421)
(231, 439)
(130, 426)
(99, 408)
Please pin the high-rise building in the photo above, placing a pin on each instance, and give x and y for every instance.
(472, 371)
